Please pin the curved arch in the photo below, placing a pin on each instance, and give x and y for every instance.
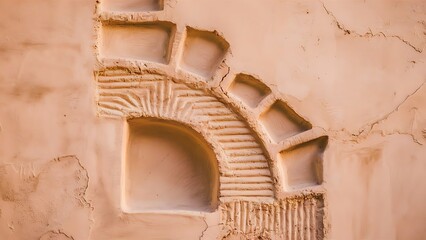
(179, 74)
(244, 166)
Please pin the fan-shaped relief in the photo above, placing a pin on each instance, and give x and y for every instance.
(243, 165)
(296, 150)
(285, 133)
(259, 161)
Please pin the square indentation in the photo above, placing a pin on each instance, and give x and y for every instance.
(249, 90)
(133, 5)
(145, 41)
(302, 165)
(281, 122)
(203, 52)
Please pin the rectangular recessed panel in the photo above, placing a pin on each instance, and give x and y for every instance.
(148, 41)
(133, 5)
(302, 165)
(249, 90)
(281, 122)
(203, 52)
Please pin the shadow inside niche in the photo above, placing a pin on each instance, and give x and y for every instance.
(168, 166)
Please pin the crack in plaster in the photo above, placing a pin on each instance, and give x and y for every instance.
(223, 78)
(59, 232)
(204, 230)
(387, 115)
(363, 133)
(226, 74)
(368, 34)
(402, 133)
(82, 198)
(356, 138)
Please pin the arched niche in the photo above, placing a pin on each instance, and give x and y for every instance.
(167, 167)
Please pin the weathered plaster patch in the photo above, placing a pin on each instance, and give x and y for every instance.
(24, 189)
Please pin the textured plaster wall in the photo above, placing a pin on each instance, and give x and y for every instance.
(354, 68)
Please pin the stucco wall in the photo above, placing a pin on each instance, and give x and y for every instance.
(353, 68)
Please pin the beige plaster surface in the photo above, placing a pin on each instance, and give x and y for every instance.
(355, 70)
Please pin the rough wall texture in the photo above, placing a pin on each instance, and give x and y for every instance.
(354, 70)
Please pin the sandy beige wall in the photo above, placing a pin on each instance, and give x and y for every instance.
(355, 68)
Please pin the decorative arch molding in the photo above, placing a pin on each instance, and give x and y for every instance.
(270, 158)
(241, 156)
